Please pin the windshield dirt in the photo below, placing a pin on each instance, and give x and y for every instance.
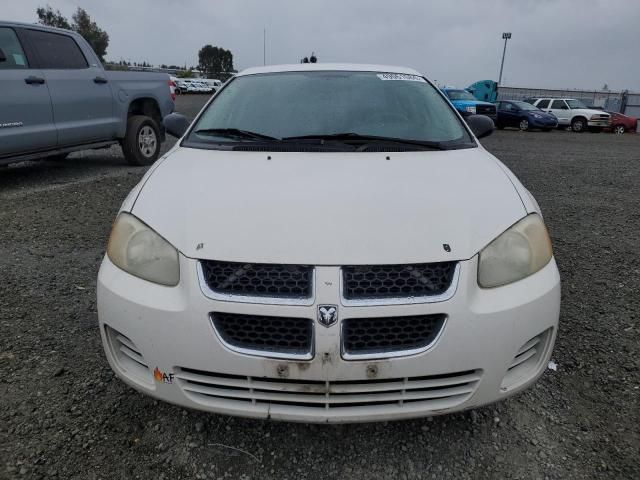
(351, 106)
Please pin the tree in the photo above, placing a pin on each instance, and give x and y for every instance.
(214, 60)
(94, 35)
(47, 16)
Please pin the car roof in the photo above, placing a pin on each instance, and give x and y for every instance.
(36, 26)
(550, 98)
(320, 67)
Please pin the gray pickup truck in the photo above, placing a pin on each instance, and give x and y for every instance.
(56, 98)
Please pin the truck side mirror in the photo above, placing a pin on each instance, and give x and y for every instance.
(176, 124)
(481, 125)
(3, 57)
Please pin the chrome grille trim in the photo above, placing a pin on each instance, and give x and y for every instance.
(369, 302)
(390, 354)
(264, 300)
(267, 353)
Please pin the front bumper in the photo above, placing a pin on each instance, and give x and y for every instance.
(181, 360)
(599, 123)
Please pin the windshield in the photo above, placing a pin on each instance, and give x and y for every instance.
(525, 106)
(460, 95)
(576, 104)
(325, 103)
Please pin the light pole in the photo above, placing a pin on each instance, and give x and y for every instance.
(506, 36)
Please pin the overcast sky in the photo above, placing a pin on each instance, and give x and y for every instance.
(555, 43)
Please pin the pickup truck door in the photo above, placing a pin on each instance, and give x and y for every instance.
(26, 117)
(80, 93)
(561, 110)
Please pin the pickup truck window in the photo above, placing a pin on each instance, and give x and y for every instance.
(56, 51)
(14, 57)
(576, 104)
(543, 104)
(324, 103)
(559, 105)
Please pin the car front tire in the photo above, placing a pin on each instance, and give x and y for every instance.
(141, 144)
(578, 125)
(523, 125)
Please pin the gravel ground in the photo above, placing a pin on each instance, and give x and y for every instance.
(64, 415)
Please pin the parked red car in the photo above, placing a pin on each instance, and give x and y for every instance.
(622, 123)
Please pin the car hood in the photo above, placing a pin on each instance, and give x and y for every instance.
(329, 208)
(470, 103)
(542, 114)
(589, 112)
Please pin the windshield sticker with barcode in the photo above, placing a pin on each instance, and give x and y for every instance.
(401, 76)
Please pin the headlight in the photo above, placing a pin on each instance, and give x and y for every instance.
(535, 115)
(517, 253)
(470, 109)
(138, 250)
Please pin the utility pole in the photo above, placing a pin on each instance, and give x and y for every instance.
(506, 36)
(264, 46)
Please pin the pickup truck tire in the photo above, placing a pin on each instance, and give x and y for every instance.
(578, 125)
(141, 144)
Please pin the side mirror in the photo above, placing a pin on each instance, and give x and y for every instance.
(481, 125)
(176, 124)
(3, 57)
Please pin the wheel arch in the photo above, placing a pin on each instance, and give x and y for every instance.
(149, 107)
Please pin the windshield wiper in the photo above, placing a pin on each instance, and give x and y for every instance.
(235, 133)
(356, 137)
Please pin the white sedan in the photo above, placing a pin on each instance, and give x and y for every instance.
(329, 243)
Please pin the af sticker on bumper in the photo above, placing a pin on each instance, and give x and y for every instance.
(163, 377)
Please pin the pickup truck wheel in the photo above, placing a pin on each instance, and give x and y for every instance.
(141, 144)
(618, 129)
(524, 125)
(578, 125)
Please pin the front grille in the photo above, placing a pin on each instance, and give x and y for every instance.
(370, 336)
(276, 335)
(395, 281)
(486, 109)
(258, 279)
(435, 392)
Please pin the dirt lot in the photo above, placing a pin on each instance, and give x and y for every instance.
(64, 415)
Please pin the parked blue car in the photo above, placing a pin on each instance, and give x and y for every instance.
(467, 104)
(523, 115)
